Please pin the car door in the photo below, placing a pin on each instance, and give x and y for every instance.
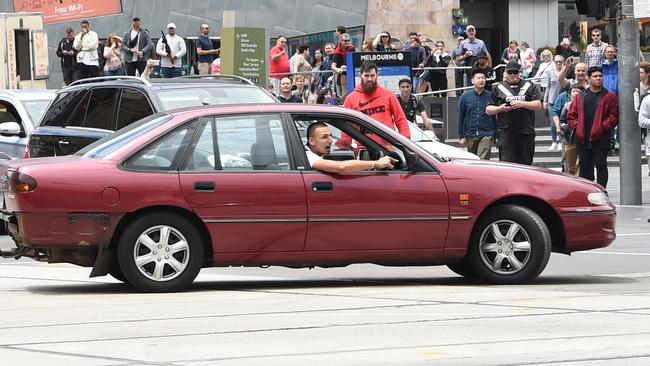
(11, 145)
(239, 180)
(399, 209)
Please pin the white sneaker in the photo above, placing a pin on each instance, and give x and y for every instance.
(559, 146)
(552, 147)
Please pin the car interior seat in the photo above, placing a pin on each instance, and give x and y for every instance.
(263, 157)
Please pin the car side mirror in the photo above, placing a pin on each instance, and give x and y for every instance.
(411, 158)
(10, 129)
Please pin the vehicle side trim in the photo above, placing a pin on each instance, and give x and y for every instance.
(461, 217)
(583, 212)
(332, 219)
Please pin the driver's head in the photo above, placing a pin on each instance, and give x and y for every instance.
(319, 138)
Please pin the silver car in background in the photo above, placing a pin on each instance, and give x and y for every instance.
(20, 112)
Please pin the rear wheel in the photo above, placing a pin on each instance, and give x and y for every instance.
(510, 244)
(160, 252)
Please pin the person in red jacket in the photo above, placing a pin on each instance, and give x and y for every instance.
(593, 116)
(376, 101)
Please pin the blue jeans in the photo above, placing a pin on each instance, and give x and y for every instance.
(116, 72)
(170, 72)
(553, 130)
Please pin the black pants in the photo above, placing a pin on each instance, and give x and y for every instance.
(594, 156)
(68, 74)
(87, 71)
(132, 66)
(516, 147)
(439, 82)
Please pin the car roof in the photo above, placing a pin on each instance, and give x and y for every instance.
(305, 108)
(29, 94)
(159, 83)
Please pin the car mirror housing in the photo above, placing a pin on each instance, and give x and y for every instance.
(10, 128)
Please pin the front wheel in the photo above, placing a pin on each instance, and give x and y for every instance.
(510, 244)
(160, 252)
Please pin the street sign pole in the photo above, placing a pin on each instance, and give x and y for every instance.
(628, 127)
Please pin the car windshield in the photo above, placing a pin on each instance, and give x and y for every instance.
(183, 98)
(102, 147)
(36, 109)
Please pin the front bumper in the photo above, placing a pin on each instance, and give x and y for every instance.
(589, 227)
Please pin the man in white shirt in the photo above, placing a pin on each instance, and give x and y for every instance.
(86, 42)
(171, 56)
(319, 141)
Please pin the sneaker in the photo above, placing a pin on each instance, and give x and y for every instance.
(559, 146)
(553, 146)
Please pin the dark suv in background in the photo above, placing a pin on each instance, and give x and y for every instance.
(90, 109)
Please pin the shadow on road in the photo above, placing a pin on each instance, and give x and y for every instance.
(298, 284)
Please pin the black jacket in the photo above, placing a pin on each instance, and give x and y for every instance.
(66, 60)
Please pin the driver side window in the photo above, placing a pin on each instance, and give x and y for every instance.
(351, 140)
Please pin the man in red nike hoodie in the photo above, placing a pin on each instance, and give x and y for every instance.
(376, 101)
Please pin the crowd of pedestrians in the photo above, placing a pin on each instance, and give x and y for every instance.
(579, 98)
(83, 55)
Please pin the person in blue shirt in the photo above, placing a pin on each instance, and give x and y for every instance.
(205, 50)
(476, 129)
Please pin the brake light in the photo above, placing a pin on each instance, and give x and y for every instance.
(22, 182)
(27, 155)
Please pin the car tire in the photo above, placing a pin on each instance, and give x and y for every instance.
(464, 269)
(160, 252)
(510, 244)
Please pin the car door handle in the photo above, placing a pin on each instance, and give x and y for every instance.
(204, 186)
(63, 142)
(322, 186)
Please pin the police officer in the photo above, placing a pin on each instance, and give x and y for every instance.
(514, 102)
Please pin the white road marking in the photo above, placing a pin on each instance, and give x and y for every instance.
(624, 275)
(615, 253)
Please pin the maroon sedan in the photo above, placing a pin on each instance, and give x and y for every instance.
(232, 186)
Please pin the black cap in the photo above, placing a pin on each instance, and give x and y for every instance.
(513, 65)
(136, 19)
(482, 55)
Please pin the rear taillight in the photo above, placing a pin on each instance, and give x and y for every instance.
(27, 156)
(21, 182)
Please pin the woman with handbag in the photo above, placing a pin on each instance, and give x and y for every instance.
(113, 56)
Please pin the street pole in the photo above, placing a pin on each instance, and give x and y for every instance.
(628, 126)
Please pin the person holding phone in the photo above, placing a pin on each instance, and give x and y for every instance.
(515, 101)
(86, 43)
(113, 56)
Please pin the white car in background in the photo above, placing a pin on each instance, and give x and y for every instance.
(20, 112)
(428, 141)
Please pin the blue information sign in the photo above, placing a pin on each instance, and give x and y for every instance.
(392, 66)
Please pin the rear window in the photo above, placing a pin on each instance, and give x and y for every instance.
(102, 147)
(212, 95)
(62, 109)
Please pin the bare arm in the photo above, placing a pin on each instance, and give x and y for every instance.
(427, 122)
(351, 166)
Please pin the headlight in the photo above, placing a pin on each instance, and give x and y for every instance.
(598, 198)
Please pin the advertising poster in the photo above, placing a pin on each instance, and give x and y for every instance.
(64, 10)
(39, 53)
(11, 59)
(392, 66)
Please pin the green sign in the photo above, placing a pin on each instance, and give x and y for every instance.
(458, 12)
(244, 53)
(463, 20)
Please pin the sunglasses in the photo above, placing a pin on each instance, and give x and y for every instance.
(512, 72)
(595, 35)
